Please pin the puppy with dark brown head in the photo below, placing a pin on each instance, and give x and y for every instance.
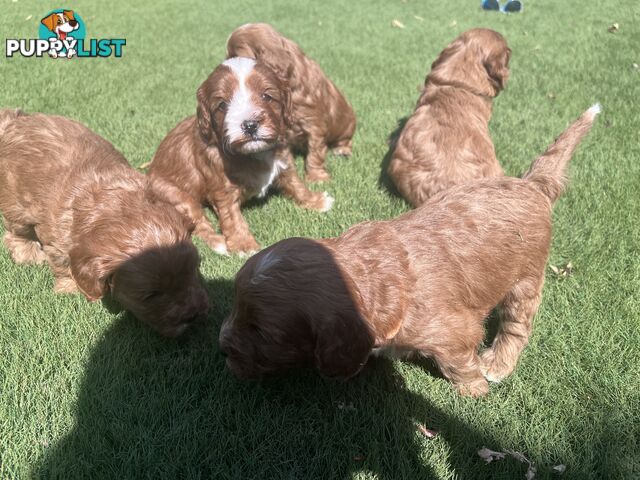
(446, 140)
(423, 282)
(69, 198)
(231, 151)
(321, 117)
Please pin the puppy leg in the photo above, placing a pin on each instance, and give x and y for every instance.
(414, 185)
(516, 322)
(342, 148)
(23, 244)
(314, 163)
(294, 188)
(234, 227)
(59, 263)
(188, 207)
(462, 368)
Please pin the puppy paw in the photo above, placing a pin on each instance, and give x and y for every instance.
(327, 202)
(342, 151)
(23, 250)
(71, 53)
(53, 53)
(477, 388)
(215, 242)
(320, 201)
(317, 175)
(493, 370)
(245, 246)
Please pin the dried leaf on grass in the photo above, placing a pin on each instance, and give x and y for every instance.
(613, 28)
(144, 165)
(347, 407)
(490, 455)
(427, 432)
(559, 469)
(397, 23)
(418, 17)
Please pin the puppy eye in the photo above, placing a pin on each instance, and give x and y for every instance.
(266, 97)
(222, 106)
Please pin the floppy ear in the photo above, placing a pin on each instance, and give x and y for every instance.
(50, 21)
(498, 68)
(343, 345)
(91, 273)
(68, 14)
(203, 115)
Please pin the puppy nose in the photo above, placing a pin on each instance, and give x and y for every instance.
(250, 127)
(73, 23)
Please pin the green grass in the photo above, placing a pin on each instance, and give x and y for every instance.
(85, 393)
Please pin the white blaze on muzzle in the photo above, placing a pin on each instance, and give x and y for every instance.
(241, 107)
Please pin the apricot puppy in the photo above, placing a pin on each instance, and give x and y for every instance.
(321, 117)
(423, 282)
(69, 198)
(232, 150)
(446, 140)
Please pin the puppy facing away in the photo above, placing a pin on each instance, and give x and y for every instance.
(446, 140)
(321, 117)
(69, 198)
(423, 282)
(229, 152)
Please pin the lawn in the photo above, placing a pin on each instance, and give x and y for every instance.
(86, 393)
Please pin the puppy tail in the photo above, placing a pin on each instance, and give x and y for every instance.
(7, 115)
(548, 171)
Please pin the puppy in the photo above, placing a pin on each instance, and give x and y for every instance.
(61, 24)
(229, 152)
(423, 282)
(446, 141)
(69, 198)
(321, 116)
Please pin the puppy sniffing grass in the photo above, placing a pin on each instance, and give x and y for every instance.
(423, 282)
(70, 199)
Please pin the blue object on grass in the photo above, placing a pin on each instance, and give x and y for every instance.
(512, 6)
(490, 5)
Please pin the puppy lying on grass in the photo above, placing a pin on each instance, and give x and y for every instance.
(69, 198)
(423, 282)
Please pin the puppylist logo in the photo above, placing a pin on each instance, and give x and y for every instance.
(62, 35)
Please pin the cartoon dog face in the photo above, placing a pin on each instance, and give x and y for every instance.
(61, 23)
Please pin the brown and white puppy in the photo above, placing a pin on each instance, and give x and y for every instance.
(446, 140)
(61, 24)
(69, 198)
(229, 152)
(423, 282)
(321, 117)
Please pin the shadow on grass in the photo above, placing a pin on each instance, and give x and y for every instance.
(156, 408)
(383, 180)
